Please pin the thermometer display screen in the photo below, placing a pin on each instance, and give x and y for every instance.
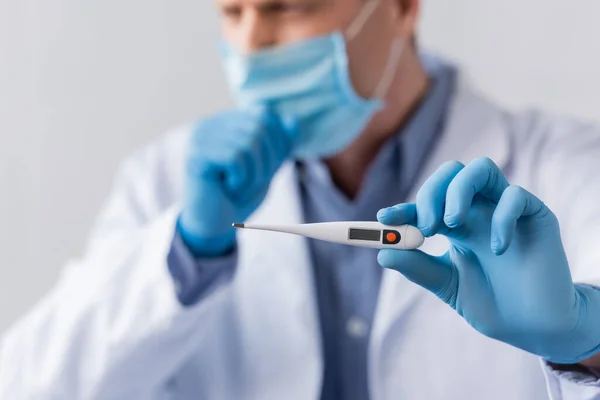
(365, 234)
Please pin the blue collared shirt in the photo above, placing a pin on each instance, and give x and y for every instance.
(347, 279)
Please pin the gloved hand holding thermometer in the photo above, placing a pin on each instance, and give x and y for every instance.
(232, 158)
(506, 272)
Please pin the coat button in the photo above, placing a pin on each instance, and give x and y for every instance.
(357, 327)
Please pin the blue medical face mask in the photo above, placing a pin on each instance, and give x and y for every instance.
(308, 83)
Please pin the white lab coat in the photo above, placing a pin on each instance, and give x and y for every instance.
(112, 327)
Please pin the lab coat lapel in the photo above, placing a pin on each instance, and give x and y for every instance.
(279, 302)
(474, 128)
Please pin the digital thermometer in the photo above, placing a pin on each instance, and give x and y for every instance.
(360, 234)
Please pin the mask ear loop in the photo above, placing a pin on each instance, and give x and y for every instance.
(362, 18)
(397, 48)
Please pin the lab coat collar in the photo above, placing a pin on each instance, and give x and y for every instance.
(279, 286)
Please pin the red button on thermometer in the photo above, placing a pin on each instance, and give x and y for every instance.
(361, 234)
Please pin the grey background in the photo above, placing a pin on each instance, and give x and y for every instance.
(83, 83)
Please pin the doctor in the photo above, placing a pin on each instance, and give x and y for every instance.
(339, 118)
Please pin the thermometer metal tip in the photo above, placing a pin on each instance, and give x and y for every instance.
(238, 225)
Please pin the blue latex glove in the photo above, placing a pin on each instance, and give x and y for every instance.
(232, 158)
(506, 272)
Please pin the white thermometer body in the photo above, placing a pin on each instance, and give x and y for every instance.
(360, 234)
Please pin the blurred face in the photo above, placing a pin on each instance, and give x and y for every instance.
(253, 25)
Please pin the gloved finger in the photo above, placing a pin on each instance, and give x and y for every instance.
(267, 143)
(202, 167)
(401, 214)
(250, 165)
(276, 145)
(431, 198)
(515, 203)
(251, 158)
(250, 141)
(436, 274)
(237, 173)
(482, 176)
(279, 138)
(263, 158)
(224, 159)
(291, 130)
